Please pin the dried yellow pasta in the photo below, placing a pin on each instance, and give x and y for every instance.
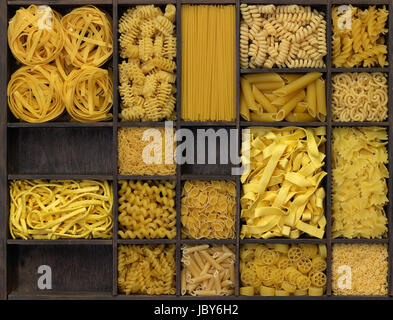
(147, 269)
(60, 209)
(282, 193)
(208, 209)
(292, 273)
(147, 209)
(208, 270)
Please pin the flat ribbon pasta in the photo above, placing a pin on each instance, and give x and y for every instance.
(35, 35)
(87, 94)
(34, 93)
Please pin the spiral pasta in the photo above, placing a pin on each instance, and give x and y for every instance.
(88, 36)
(60, 209)
(208, 209)
(35, 35)
(88, 94)
(281, 270)
(147, 210)
(147, 269)
(35, 93)
(359, 97)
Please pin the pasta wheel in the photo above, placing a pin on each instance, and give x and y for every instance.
(35, 93)
(295, 253)
(318, 279)
(304, 265)
(35, 35)
(303, 282)
(318, 264)
(88, 94)
(88, 36)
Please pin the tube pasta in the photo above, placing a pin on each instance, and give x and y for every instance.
(276, 278)
(217, 275)
(57, 209)
(282, 162)
(293, 98)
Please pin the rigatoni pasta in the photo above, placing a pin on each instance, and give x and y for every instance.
(147, 209)
(208, 270)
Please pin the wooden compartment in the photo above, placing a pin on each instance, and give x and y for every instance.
(63, 149)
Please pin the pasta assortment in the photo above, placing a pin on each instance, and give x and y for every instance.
(358, 37)
(147, 78)
(208, 270)
(147, 269)
(146, 210)
(359, 188)
(364, 267)
(60, 209)
(62, 57)
(277, 97)
(208, 209)
(283, 270)
(208, 82)
(135, 157)
(359, 97)
(288, 36)
(282, 193)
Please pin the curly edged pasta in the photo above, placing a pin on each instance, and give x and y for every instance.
(359, 97)
(147, 269)
(359, 36)
(147, 210)
(147, 75)
(208, 209)
(283, 270)
(208, 270)
(289, 36)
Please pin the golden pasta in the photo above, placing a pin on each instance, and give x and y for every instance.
(208, 270)
(208, 209)
(35, 93)
(359, 187)
(275, 97)
(147, 209)
(137, 156)
(88, 37)
(147, 269)
(288, 36)
(282, 192)
(281, 270)
(87, 94)
(208, 81)
(359, 97)
(60, 209)
(360, 269)
(35, 35)
(147, 78)
(358, 38)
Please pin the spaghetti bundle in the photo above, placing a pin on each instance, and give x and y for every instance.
(34, 93)
(87, 94)
(60, 209)
(88, 36)
(208, 63)
(35, 35)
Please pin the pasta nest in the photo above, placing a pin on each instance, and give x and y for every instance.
(34, 93)
(35, 35)
(88, 36)
(87, 94)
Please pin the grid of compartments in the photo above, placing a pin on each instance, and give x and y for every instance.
(63, 150)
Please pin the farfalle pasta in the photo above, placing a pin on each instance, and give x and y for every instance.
(283, 270)
(359, 187)
(147, 269)
(146, 209)
(208, 270)
(359, 97)
(208, 209)
(282, 192)
(358, 38)
(288, 36)
(147, 76)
